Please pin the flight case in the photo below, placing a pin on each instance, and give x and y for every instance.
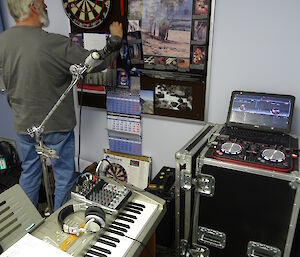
(230, 210)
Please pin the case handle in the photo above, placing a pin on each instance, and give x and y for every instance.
(256, 249)
(212, 237)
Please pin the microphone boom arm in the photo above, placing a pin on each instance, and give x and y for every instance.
(78, 71)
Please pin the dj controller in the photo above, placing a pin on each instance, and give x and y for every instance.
(267, 151)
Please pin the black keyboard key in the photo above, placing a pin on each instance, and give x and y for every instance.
(132, 210)
(106, 242)
(134, 207)
(116, 232)
(118, 228)
(138, 205)
(94, 253)
(121, 224)
(128, 215)
(126, 219)
(100, 249)
(110, 238)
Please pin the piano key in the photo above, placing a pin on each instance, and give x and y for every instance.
(116, 232)
(111, 238)
(91, 253)
(137, 204)
(100, 249)
(121, 224)
(128, 215)
(122, 247)
(106, 242)
(132, 210)
(124, 240)
(118, 228)
(125, 219)
(135, 207)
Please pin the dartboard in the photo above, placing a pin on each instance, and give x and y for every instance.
(87, 13)
(116, 171)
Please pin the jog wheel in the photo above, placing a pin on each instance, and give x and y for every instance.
(115, 171)
(231, 148)
(273, 155)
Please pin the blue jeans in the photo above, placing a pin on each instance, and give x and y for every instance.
(63, 168)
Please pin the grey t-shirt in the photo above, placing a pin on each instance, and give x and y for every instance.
(34, 65)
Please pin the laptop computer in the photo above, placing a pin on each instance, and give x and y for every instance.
(256, 133)
(259, 115)
(261, 111)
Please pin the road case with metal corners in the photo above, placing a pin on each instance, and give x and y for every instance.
(228, 207)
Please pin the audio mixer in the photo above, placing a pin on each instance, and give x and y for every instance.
(107, 195)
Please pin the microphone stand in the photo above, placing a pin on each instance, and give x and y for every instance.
(77, 72)
(45, 152)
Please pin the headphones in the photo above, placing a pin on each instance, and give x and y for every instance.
(94, 218)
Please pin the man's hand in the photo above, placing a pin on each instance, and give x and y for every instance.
(116, 29)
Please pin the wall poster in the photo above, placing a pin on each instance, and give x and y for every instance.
(167, 41)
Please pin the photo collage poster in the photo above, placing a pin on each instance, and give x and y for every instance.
(169, 35)
(160, 36)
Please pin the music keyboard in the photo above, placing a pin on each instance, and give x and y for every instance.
(124, 232)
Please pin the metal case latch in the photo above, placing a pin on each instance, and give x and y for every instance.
(199, 251)
(185, 180)
(296, 182)
(256, 249)
(195, 251)
(205, 184)
(211, 237)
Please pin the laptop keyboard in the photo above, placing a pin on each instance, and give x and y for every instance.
(257, 136)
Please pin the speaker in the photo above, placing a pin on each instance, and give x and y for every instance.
(94, 218)
(162, 186)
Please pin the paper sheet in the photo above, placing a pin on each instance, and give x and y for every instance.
(94, 41)
(33, 247)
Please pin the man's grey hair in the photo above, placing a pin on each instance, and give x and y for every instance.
(20, 9)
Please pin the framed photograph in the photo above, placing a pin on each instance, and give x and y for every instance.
(171, 63)
(123, 60)
(135, 53)
(183, 64)
(149, 60)
(201, 7)
(77, 38)
(198, 55)
(200, 30)
(135, 35)
(123, 78)
(147, 101)
(166, 28)
(177, 98)
(134, 25)
(135, 9)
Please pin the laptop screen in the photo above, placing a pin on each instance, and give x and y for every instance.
(261, 111)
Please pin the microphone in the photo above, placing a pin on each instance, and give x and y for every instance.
(96, 57)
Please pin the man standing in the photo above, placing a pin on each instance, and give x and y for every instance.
(34, 65)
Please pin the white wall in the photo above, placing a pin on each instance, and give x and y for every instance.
(255, 47)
